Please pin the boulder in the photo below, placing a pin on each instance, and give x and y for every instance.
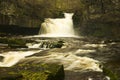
(41, 71)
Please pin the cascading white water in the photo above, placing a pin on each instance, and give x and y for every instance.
(70, 60)
(60, 27)
(12, 57)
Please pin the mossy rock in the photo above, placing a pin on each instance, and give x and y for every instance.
(58, 44)
(13, 42)
(54, 44)
(110, 73)
(17, 46)
(9, 76)
(34, 76)
(40, 71)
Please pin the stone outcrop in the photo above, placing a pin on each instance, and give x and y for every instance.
(102, 18)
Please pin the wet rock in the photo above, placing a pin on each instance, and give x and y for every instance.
(10, 76)
(17, 46)
(13, 30)
(13, 42)
(34, 71)
(1, 58)
(89, 75)
(45, 44)
(58, 44)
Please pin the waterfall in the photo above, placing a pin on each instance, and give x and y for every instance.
(59, 27)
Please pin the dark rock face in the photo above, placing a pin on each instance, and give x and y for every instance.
(32, 12)
(92, 17)
(18, 30)
(102, 18)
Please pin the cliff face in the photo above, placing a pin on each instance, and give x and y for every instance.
(93, 17)
(102, 18)
(32, 12)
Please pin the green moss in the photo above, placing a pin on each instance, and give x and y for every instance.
(29, 75)
(110, 73)
(58, 44)
(42, 71)
(11, 76)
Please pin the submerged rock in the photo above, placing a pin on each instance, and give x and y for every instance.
(45, 44)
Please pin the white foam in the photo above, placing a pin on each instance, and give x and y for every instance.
(12, 57)
(90, 79)
(95, 45)
(72, 62)
(107, 77)
(30, 45)
(59, 27)
(82, 51)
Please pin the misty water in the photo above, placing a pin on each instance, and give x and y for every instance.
(59, 27)
(83, 58)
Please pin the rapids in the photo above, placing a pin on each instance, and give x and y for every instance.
(69, 58)
(79, 56)
(12, 57)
